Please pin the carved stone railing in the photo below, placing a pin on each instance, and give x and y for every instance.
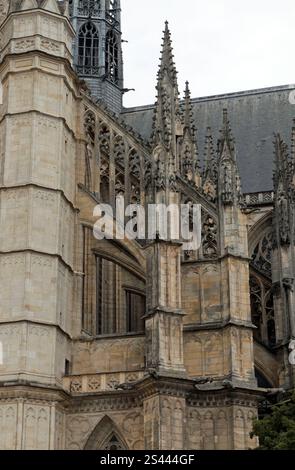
(89, 8)
(85, 384)
(87, 70)
(257, 199)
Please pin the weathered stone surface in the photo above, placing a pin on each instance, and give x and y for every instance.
(124, 344)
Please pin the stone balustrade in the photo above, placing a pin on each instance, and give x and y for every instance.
(85, 384)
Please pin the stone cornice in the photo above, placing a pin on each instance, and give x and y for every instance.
(228, 254)
(149, 387)
(68, 66)
(45, 188)
(36, 323)
(42, 114)
(165, 311)
(39, 37)
(218, 326)
(118, 336)
(42, 12)
(108, 401)
(40, 253)
(119, 400)
(237, 397)
(28, 391)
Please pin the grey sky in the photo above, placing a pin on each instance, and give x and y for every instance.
(220, 46)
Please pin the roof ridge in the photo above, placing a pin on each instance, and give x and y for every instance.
(235, 94)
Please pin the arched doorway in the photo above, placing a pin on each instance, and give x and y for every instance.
(106, 436)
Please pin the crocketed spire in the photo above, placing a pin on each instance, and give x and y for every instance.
(229, 183)
(226, 139)
(167, 64)
(167, 121)
(210, 168)
(189, 149)
(167, 112)
(282, 171)
(188, 110)
(283, 189)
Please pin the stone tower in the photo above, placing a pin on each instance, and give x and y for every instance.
(124, 344)
(97, 48)
(37, 198)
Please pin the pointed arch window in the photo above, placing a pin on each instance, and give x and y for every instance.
(262, 311)
(106, 436)
(113, 443)
(112, 57)
(261, 292)
(88, 49)
(262, 255)
(256, 307)
(119, 308)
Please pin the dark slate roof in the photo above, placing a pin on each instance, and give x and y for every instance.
(254, 116)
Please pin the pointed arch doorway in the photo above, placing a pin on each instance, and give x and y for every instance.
(106, 436)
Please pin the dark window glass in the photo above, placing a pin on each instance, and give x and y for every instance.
(88, 49)
(135, 310)
(112, 57)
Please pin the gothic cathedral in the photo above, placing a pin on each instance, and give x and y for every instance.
(121, 344)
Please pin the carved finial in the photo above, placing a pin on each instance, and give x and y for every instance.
(64, 7)
(210, 172)
(283, 192)
(210, 169)
(282, 163)
(187, 113)
(167, 125)
(167, 114)
(229, 182)
(226, 138)
(14, 5)
(189, 150)
(167, 58)
(188, 109)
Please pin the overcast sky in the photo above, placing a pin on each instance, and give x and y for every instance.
(220, 46)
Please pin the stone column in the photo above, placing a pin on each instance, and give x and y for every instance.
(164, 319)
(164, 423)
(37, 197)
